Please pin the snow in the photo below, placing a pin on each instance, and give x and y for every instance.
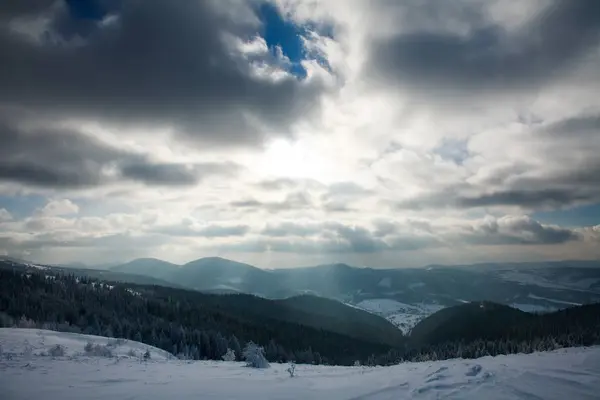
(133, 292)
(37, 266)
(404, 316)
(38, 341)
(562, 374)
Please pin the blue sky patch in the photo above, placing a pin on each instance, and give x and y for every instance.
(577, 216)
(22, 206)
(454, 150)
(285, 34)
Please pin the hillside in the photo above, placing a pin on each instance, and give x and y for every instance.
(197, 324)
(341, 318)
(402, 296)
(101, 274)
(562, 374)
(152, 267)
(486, 321)
(468, 322)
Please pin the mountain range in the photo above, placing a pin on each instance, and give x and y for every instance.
(403, 296)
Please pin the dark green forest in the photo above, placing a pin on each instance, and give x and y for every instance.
(195, 325)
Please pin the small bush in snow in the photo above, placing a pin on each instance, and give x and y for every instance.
(147, 355)
(56, 351)
(96, 350)
(291, 369)
(255, 356)
(229, 356)
(27, 350)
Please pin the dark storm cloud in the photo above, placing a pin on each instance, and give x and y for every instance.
(59, 158)
(490, 56)
(19, 8)
(158, 63)
(579, 125)
(170, 174)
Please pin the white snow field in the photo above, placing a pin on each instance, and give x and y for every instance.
(26, 374)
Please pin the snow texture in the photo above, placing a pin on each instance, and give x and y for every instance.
(562, 374)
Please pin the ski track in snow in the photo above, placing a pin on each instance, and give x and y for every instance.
(562, 374)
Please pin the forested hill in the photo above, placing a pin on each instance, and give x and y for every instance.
(496, 322)
(184, 322)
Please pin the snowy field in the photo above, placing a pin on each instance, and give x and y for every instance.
(27, 374)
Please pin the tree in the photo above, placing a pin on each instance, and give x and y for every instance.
(255, 356)
(229, 356)
(234, 344)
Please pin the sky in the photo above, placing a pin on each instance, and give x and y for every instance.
(287, 133)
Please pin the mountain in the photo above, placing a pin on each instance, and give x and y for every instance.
(403, 296)
(303, 328)
(468, 322)
(491, 322)
(108, 275)
(219, 274)
(344, 319)
(152, 267)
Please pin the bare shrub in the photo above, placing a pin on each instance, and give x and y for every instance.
(57, 351)
(97, 350)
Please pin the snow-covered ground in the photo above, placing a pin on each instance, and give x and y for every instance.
(404, 316)
(34, 343)
(562, 374)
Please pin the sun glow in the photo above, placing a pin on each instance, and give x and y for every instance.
(283, 158)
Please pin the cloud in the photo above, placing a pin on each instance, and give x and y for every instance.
(55, 157)
(292, 201)
(489, 55)
(5, 215)
(57, 208)
(171, 174)
(392, 133)
(518, 230)
(177, 65)
(208, 231)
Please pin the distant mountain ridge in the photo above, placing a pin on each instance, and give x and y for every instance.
(403, 296)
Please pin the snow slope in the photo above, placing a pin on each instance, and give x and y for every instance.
(563, 374)
(34, 343)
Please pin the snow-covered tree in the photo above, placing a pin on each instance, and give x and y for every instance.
(291, 369)
(229, 356)
(255, 356)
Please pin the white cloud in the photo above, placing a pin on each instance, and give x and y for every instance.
(56, 208)
(362, 163)
(5, 215)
